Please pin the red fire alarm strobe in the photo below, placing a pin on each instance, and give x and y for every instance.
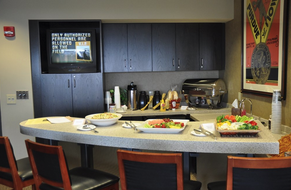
(9, 31)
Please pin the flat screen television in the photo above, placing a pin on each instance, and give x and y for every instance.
(72, 50)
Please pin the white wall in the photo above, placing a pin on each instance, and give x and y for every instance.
(15, 70)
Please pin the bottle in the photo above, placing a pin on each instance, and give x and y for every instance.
(276, 112)
(162, 106)
(242, 109)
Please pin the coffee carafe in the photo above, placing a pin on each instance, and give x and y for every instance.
(157, 98)
(143, 99)
(131, 96)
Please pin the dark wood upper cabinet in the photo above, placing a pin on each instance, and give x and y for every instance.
(187, 47)
(115, 47)
(139, 47)
(163, 47)
(127, 47)
(212, 40)
(163, 40)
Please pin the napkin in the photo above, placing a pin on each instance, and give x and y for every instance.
(235, 103)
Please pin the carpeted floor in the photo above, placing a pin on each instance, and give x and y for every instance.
(2, 187)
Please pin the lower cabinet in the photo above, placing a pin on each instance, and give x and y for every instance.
(75, 95)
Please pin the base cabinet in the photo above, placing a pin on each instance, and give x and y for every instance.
(75, 95)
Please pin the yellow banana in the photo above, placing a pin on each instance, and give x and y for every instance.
(150, 100)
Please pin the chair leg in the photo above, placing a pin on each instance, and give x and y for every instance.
(33, 187)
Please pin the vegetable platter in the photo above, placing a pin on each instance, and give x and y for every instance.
(237, 126)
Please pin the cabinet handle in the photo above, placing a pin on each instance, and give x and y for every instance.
(173, 62)
(202, 64)
(130, 64)
(69, 83)
(179, 62)
(125, 63)
(75, 82)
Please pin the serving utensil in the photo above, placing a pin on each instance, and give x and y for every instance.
(206, 132)
(132, 126)
(87, 126)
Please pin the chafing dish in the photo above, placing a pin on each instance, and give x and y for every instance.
(204, 92)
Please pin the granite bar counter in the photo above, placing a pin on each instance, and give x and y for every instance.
(210, 151)
(117, 136)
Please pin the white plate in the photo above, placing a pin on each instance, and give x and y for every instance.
(197, 134)
(90, 127)
(163, 130)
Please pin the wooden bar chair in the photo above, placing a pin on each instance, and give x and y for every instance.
(50, 171)
(152, 171)
(16, 174)
(246, 173)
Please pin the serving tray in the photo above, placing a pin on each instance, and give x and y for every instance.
(239, 133)
(163, 130)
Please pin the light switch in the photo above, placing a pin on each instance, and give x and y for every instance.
(11, 98)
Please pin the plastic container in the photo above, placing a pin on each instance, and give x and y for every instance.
(276, 112)
(151, 93)
(108, 100)
(117, 97)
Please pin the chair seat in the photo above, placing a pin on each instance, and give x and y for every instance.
(82, 179)
(24, 171)
(218, 185)
(192, 185)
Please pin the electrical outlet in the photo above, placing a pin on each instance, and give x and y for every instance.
(11, 98)
(22, 94)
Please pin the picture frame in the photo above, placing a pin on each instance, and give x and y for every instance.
(264, 47)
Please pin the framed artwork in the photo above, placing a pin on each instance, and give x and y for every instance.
(264, 51)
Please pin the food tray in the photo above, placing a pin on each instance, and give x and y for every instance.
(163, 130)
(238, 133)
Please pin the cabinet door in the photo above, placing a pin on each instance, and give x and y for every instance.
(88, 95)
(115, 47)
(212, 46)
(187, 47)
(56, 95)
(139, 47)
(163, 39)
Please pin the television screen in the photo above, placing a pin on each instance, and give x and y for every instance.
(71, 47)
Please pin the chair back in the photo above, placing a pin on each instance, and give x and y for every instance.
(258, 173)
(9, 174)
(8, 166)
(48, 165)
(154, 171)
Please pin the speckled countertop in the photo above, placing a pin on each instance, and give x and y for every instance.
(117, 136)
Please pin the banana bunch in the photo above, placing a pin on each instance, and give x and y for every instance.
(150, 100)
